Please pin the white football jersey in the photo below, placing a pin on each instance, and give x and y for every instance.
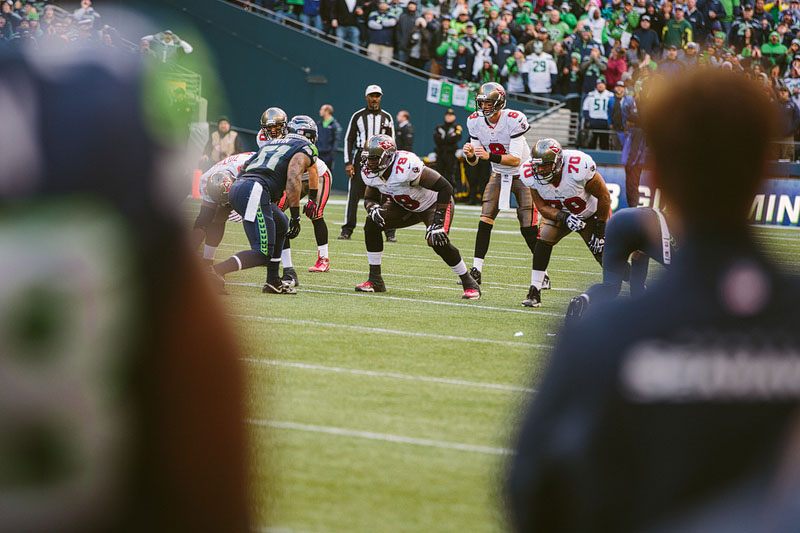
(496, 139)
(403, 186)
(540, 69)
(232, 164)
(570, 195)
(596, 104)
(322, 168)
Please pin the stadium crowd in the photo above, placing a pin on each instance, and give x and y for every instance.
(569, 50)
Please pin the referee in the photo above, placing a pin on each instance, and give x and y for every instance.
(364, 123)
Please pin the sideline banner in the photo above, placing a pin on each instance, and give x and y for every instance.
(777, 203)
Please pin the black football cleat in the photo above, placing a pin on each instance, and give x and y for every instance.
(546, 282)
(476, 274)
(290, 277)
(278, 288)
(576, 309)
(534, 298)
(345, 235)
(391, 238)
(372, 285)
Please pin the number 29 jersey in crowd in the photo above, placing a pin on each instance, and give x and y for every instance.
(497, 138)
(271, 163)
(402, 185)
(570, 194)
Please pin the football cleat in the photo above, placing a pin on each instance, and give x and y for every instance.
(217, 282)
(534, 298)
(471, 294)
(576, 309)
(290, 277)
(282, 288)
(476, 274)
(546, 282)
(345, 235)
(391, 238)
(372, 285)
(323, 264)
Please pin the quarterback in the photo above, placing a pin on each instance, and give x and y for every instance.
(571, 196)
(498, 134)
(414, 193)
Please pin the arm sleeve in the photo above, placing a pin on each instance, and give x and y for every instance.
(350, 139)
(516, 146)
(186, 47)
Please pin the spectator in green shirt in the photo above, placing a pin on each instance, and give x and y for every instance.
(568, 17)
(556, 27)
(677, 31)
(774, 51)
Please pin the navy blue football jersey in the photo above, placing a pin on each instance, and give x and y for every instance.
(270, 164)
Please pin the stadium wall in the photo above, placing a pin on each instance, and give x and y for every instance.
(262, 63)
(777, 203)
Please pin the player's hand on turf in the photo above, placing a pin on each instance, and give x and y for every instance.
(294, 227)
(574, 223)
(310, 209)
(596, 244)
(375, 215)
(436, 235)
(234, 217)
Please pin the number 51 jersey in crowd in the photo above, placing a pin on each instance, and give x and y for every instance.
(570, 194)
(271, 163)
(403, 186)
(496, 138)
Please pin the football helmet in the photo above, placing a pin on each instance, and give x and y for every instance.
(274, 122)
(493, 93)
(218, 186)
(547, 158)
(305, 126)
(379, 153)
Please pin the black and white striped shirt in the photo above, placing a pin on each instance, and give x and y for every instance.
(363, 125)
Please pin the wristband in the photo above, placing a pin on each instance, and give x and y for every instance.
(471, 159)
(561, 217)
(295, 211)
(495, 158)
(312, 195)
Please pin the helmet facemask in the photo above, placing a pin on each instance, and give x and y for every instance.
(379, 154)
(274, 123)
(547, 160)
(219, 185)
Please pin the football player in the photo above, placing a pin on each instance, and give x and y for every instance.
(215, 209)
(498, 134)
(305, 126)
(414, 193)
(278, 166)
(571, 196)
(638, 232)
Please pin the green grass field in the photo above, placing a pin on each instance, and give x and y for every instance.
(394, 412)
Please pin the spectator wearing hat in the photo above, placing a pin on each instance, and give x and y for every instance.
(168, 46)
(525, 15)
(570, 82)
(634, 55)
(439, 35)
(740, 27)
(381, 24)
(649, 43)
(222, 143)
(788, 122)
(631, 17)
(515, 29)
(671, 65)
(616, 120)
(677, 32)
(596, 24)
(690, 55)
(460, 19)
(486, 52)
(505, 49)
(491, 22)
(697, 19)
(472, 42)
(595, 115)
(86, 11)
(447, 52)
(446, 138)
(584, 45)
(762, 16)
(568, 17)
(774, 51)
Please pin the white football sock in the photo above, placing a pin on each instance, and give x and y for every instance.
(209, 252)
(460, 269)
(374, 258)
(238, 262)
(286, 258)
(477, 262)
(323, 250)
(537, 278)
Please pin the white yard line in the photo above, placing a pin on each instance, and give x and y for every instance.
(345, 292)
(390, 331)
(391, 375)
(385, 437)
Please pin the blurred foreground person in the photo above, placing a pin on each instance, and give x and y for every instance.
(121, 402)
(656, 407)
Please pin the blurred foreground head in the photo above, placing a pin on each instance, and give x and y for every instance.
(119, 411)
(709, 132)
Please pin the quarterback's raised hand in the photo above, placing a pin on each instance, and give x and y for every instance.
(374, 213)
